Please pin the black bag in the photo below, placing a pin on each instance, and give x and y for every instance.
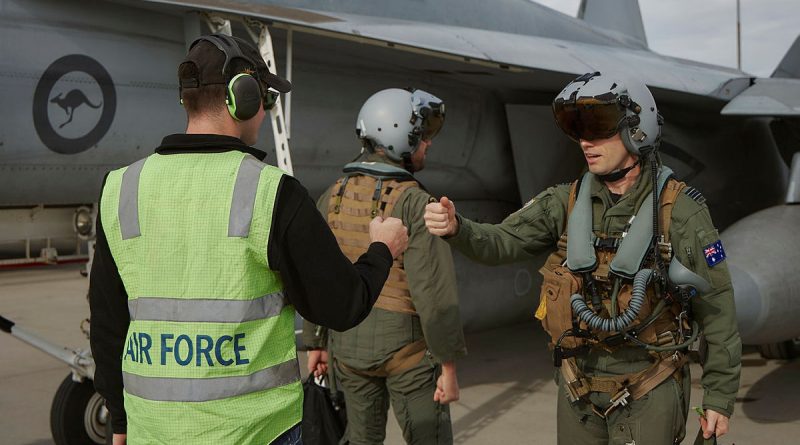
(324, 416)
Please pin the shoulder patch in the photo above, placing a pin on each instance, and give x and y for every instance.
(547, 192)
(714, 253)
(694, 194)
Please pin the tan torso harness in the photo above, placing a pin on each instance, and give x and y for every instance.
(369, 190)
(569, 271)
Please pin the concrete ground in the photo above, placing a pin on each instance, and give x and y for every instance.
(507, 392)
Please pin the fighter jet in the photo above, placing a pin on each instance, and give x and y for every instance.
(90, 86)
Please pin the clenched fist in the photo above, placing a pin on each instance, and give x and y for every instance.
(391, 232)
(440, 218)
(318, 362)
(447, 390)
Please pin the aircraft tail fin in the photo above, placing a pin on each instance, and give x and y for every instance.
(621, 17)
(790, 64)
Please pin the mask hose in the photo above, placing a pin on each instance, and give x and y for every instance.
(622, 321)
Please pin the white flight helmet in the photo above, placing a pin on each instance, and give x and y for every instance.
(597, 106)
(396, 120)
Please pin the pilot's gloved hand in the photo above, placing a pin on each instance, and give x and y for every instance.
(440, 218)
(390, 231)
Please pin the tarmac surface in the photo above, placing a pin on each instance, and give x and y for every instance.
(507, 390)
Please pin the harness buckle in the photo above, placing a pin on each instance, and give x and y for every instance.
(576, 385)
(684, 331)
(619, 399)
(575, 389)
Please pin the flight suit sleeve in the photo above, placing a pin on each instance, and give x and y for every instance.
(692, 232)
(431, 275)
(526, 232)
(315, 336)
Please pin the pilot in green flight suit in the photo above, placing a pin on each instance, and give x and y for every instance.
(625, 291)
(404, 352)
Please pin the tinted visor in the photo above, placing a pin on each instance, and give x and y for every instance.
(432, 119)
(588, 118)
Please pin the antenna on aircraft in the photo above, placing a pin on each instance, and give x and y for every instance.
(738, 37)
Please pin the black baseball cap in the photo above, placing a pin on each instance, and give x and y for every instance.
(213, 55)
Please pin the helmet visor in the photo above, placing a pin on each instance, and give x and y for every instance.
(433, 120)
(588, 118)
(428, 108)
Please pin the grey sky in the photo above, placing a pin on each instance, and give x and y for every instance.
(705, 30)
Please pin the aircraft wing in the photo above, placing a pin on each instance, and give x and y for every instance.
(767, 97)
(499, 50)
(778, 95)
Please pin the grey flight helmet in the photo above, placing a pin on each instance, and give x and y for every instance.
(396, 120)
(597, 106)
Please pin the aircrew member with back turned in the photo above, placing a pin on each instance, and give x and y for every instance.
(404, 352)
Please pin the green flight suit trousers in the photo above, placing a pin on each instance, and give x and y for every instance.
(367, 399)
(658, 418)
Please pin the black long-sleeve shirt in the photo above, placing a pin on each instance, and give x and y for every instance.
(319, 280)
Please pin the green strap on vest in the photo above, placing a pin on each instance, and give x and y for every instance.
(633, 248)
(580, 247)
(635, 245)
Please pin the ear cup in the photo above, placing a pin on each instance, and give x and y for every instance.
(244, 97)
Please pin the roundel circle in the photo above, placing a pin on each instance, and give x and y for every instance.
(73, 104)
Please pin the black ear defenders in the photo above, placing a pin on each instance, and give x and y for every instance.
(243, 96)
(243, 91)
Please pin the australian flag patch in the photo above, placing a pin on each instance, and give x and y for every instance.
(714, 253)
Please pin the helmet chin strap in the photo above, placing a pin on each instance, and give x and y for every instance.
(360, 153)
(407, 164)
(616, 175)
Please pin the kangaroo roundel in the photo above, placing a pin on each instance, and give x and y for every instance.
(74, 104)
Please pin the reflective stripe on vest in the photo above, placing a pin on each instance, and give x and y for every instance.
(205, 310)
(129, 201)
(244, 196)
(166, 389)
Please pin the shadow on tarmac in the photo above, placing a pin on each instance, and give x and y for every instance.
(773, 398)
(519, 358)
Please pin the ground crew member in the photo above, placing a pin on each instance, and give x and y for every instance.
(203, 254)
(414, 332)
(627, 289)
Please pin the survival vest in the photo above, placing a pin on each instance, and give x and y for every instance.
(563, 278)
(355, 200)
(585, 260)
(210, 352)
(372, 189)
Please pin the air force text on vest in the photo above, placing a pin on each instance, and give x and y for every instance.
(187, 350)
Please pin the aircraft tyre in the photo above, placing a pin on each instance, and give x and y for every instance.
(784, 350)
(78, 415)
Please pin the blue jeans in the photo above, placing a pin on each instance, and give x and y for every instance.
(292, 437)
